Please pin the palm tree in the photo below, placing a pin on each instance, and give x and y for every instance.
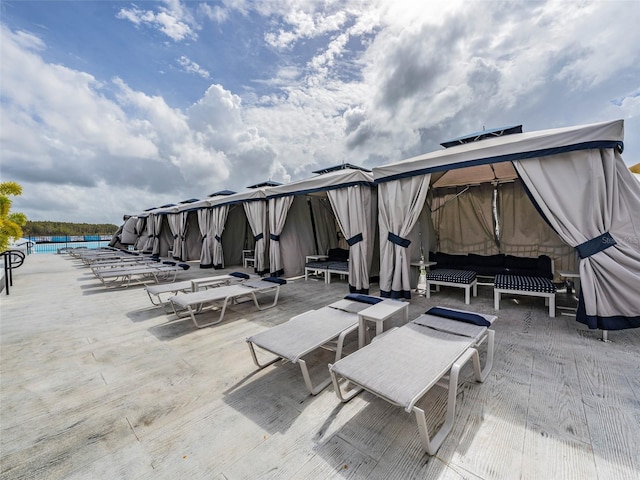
(10, 223)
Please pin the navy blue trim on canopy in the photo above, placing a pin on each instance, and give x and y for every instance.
(398, 240)
(320, 189)
(260, 236)
(615, 322)
(595, 245)
(545, 152)
(218, 238)
(275, 238)
(355, 239)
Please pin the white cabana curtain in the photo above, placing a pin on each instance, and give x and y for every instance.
(204, 223)
(256, 213)
(399, 204)
(218, 220)
(592, 201)
(352, 207)
(174, 225)
(278, 208)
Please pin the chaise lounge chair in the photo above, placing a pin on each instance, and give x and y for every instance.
(310, 331)
(194, 302)
(155, 292)
(402, 366)
(142, 274)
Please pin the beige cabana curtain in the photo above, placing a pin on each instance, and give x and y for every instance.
(591, 199)
(523, 231)
(400, 203)
(256, 213)
(218, 220)
(278, 208)
(141, 231)
(352, 207)
(204, 224)
(464, 220)
(174, 226)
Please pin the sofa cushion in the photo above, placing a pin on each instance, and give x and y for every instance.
(448, 260)
(338, 255)
(521, 263)
(487, 260)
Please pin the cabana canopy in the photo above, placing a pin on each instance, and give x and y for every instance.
(351, 198)
(578, 181)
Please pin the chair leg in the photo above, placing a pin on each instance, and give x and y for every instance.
(432, 445)
(496, 299)
(336, 386)
(255, 357)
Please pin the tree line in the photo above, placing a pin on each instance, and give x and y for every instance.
(46, 228)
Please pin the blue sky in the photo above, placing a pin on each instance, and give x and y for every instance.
(109, 108)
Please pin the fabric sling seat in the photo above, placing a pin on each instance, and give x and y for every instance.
(308, 332)
(450, 277)
(525, 285)
(405, 363)
(193, 302)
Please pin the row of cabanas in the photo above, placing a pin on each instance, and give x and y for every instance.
(563, 192)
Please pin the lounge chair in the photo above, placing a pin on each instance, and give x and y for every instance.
(193, 302)
(310, 331)
(155, 292)
(402, 365)
(155, 273)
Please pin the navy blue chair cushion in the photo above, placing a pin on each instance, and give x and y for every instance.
(466, 317)
(184, 266)
(239, 275)
(360, 297)
(279, 281)
(167, 262)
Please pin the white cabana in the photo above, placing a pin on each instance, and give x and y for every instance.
(243, 227)
(306, 216)
(231, 223)
(578, 182)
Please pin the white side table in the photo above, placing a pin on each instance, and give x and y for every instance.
(378, 313)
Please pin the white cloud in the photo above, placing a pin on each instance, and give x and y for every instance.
(174, 20)
(61, 132)
(190, 66)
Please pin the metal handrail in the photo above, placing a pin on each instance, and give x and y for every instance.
(10, 265)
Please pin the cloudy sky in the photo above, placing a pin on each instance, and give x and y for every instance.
(109, 107)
